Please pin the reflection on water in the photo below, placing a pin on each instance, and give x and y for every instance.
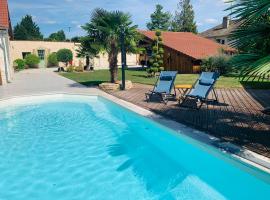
(159, 174)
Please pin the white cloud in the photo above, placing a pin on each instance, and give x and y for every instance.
(74, 22)
(211, 21)
(49, 22)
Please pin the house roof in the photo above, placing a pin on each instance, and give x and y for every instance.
(220, 31)
(4, 14)
(189, 44)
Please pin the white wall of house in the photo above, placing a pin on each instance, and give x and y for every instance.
(102, 61)
(20, 47)
(6, 69)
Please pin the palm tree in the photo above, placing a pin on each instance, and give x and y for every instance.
(252, 37)
(104, 32)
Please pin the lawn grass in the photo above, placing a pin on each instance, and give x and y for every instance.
(140, 76)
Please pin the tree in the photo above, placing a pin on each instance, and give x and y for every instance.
(58, 36)
(27, 30)
(159, 20)
(75, 39)
(157, 56)
(252, 38)
(87, 49)
(104, 33)
(184, 18)
(65, 56)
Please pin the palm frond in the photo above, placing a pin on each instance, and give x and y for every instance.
(252, 66)
(251, 38)
(249, 10)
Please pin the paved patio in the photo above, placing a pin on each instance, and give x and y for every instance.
(40, 81)
(237, 117)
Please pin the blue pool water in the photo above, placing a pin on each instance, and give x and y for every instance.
(84, 148)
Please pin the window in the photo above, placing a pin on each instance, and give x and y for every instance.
(222, 41)
(41, 54)
(24, 54)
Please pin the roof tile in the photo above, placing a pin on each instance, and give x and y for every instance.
(189, 44)
(4, 14)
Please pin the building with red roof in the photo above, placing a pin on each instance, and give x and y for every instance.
(184, 51)
(6, 70)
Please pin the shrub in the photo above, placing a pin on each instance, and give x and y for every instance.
(152, 71)
(155, 70)
(70, 69)
(19, 64)
(220, 63)
(79, 69)
(52, 60)
(32, 60)
(65, 56)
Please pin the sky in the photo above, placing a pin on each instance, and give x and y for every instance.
(54, 15)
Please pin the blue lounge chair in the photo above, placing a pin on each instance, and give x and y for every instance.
(202, 88)
(163, 87)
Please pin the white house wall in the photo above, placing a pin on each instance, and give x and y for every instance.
(102, 61)
(5, 66)
(18, 47)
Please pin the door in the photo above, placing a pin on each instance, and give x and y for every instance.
(41, 55)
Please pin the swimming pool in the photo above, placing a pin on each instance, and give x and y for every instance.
(78, 147)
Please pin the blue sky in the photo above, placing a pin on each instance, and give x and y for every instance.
(54, 15)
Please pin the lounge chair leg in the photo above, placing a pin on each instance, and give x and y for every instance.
(148, 97)
(200, 106)
(174, 91)
(164, 98)
(215, 94)
(181, 100)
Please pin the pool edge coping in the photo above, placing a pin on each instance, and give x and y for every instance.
(247, 156)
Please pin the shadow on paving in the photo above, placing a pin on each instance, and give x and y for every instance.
(261, 96)
(246, 130)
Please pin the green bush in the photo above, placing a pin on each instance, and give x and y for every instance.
(149, 72)
(32, 61)
(158, 33)
(52, 60)
(70, 69)
(155, 70)
(65, 56)
(19, 64)
(79, 69)
(155, 65)
(220, 63)
(152, 71)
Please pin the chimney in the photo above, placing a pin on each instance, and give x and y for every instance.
(226, 22)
